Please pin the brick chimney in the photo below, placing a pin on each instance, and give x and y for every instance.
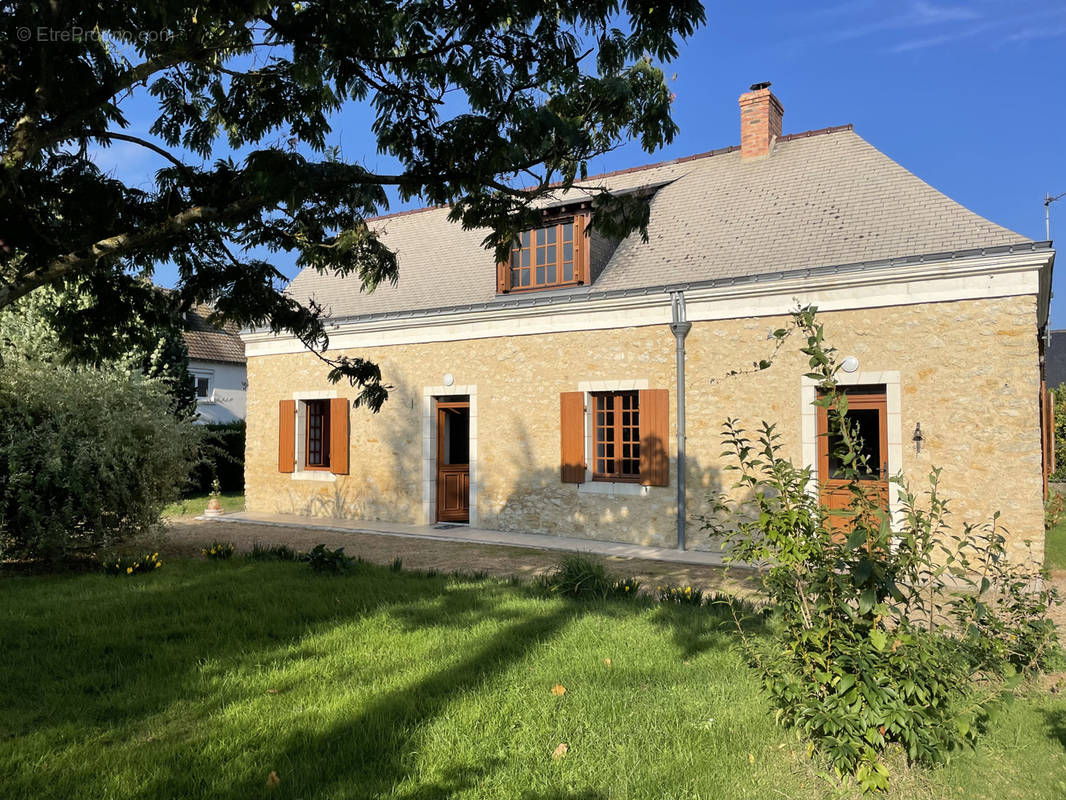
(760, 121)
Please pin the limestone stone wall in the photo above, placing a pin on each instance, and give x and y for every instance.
(968, 373)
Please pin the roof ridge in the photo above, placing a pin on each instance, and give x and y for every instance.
(628, 170)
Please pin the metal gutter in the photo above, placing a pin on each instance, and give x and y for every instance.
(680, 327)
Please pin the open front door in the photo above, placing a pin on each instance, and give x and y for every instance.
(453, 461)
(868, 410)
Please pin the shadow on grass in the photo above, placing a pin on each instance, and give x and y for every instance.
(105, 658)
(1056, 725)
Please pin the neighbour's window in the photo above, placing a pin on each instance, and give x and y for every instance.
(317, 434)
(616, 424)
(201, 385)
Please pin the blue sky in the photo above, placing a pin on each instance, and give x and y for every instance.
(970, 96)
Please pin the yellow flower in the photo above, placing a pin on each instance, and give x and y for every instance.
(627, 588)
(158, 564)
(129, 570)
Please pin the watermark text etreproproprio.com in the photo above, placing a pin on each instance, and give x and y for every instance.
(75, 34)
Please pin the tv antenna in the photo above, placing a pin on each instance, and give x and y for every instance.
(1048, 200)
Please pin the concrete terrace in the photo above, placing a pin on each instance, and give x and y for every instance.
(464, 534)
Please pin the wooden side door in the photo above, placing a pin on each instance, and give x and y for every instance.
(453, 461)
(868, 408)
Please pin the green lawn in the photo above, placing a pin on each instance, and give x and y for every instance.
(198, 680)
(1055, 547)
(195, 505)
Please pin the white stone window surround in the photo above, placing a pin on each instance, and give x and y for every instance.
(301, 474)
(429, 450)
(890, 379)
(610, 488)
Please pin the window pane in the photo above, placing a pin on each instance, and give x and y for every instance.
(525, 277)
(568, 232)
(550, 234)
(516, 277)
(568, 272)
(540, 235)
(550, 257)
(551, 273)
(525, 239)
(540, 256)
(525, 258)
(540, 275)
(568, 252)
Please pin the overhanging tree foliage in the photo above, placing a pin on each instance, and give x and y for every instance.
(542, 87)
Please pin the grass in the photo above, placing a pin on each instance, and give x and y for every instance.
(1055, 546)
(202, 678)
(195, 505)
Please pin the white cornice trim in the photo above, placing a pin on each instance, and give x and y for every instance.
(970, 278)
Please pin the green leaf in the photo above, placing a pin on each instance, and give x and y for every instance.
(867, 600)
(857, 539)
(878, 638)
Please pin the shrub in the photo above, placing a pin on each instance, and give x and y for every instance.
(87, 457)
(129, 565)
(273, 552)
(219, 551)
(322, 559)
(886, 630)
(579, 577)
(221, 458)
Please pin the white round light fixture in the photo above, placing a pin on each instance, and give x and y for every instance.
(849, 364)
(448, 379)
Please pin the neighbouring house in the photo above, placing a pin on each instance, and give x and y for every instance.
(542, 394)
(217, 367)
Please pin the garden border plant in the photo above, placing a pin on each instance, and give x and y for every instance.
(894, 637)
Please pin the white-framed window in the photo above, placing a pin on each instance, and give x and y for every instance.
(202, 383)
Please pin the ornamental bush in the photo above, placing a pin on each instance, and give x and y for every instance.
(88, 457)
(896, 636)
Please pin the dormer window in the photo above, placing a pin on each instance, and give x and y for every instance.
(548, 257)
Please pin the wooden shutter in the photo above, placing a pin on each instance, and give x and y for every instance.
(503, 283)
(654, 406)
(572, 433)
(338, 436)
(582, 246)
(287, 436)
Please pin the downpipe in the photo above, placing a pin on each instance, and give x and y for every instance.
(680, 327)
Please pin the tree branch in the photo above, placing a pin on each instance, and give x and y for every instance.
(153, 147)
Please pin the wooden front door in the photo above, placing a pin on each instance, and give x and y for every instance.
(453, 461)
(868, 410)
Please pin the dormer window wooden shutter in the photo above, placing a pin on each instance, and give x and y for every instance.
(503, 284)
(572, 435)
(581, 249)
(338, 436)
(287, 436)
(654, 437)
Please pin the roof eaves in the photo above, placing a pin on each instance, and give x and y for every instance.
(544, 299)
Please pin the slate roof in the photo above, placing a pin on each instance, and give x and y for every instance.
(207, 342)
(820, 199)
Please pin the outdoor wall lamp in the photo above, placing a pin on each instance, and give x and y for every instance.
(918, 438)
(849, 364)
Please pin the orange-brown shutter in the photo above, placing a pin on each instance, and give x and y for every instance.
(572, 434)
(502, 282)
(654, 406)
(581, 249)
(338, 436)
(287, 436)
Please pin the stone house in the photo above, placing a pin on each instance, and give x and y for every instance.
(542, 395)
